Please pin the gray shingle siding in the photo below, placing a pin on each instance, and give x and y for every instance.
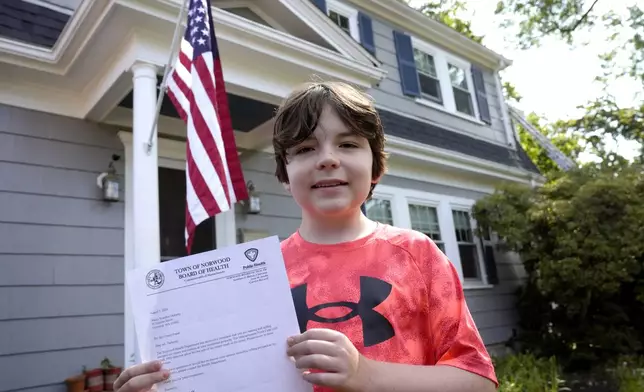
(61, 250)
(31, 23)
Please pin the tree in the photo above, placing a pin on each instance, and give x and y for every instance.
(570, 144)
(580, 239)
(446, 11)
(567, 20)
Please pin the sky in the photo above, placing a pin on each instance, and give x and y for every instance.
(555, 78)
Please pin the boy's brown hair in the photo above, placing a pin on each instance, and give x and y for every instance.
(298, 116)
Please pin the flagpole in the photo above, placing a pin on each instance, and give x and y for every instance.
(164, 82)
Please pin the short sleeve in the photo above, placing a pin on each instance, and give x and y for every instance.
(455, 338)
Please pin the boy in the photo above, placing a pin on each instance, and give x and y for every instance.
(380, 308)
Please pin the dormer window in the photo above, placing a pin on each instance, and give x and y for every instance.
(444, 79)
(345, 17)
(430, 85)
(461, 89)
(340, 20)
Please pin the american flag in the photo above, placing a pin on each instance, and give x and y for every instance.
(214, 178)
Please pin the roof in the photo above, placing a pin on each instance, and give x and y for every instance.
(425, 133)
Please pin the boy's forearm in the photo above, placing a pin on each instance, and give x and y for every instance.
(392, 377)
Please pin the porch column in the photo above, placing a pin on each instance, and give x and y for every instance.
(131, 351)
(145, 195)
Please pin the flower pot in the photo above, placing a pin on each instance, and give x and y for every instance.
(110, 374)
(95, 380)
(76, 383)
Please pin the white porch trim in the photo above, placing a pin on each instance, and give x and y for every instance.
(84, 75)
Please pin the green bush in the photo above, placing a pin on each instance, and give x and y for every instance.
(527, 373)
(581, 239)
(629, 373)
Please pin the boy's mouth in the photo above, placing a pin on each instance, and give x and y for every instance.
(329, 184)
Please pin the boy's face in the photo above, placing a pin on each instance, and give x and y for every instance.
(330, 173)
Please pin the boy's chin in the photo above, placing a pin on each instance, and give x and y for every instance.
(334, 208)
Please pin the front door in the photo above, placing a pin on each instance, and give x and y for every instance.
(172, 217)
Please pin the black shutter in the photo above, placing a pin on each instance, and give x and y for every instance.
(366, 32)
(481, 96)
(406, 64)
(490, 264)
(321, 4)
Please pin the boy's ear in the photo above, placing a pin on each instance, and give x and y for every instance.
(287, 186)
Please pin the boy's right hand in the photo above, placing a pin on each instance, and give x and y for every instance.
(141, 377)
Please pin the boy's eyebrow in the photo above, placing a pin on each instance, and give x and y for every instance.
(346, 134)
(339, 135)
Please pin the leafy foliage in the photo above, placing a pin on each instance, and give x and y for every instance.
(624, 29)
(571, 144)
(527, 373)
(553, 17)
(446, 11)
(630, 374)
(581, 240)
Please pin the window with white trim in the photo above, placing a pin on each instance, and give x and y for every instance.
(424, 219)
(444, 79)
(430, 85)
(345, 17)
(447, 220)
(467, 246)
(380, 210)
(463, 94)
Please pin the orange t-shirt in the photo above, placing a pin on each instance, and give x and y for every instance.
(394, 294)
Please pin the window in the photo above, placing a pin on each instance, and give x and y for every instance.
(467, 247)
(425, 220)
(345, 17)
(430, 85)
(445, 219)
(340, 20)
(379, 210)
(462, 94)
(445, 80)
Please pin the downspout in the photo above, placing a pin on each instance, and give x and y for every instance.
(505, 115)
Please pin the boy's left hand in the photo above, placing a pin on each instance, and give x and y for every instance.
(331, 352)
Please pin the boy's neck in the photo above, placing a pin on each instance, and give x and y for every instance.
(335, 230)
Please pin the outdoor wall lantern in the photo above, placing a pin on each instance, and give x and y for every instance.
(109, 181)
(254, 203)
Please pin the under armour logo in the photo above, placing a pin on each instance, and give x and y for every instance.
(375, 327)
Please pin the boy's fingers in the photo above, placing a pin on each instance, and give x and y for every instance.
(314, 334)
(313, 347)
(318, 361)
(144, 382)
(324, 379)
(136, 370)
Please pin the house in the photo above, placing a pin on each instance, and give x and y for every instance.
(78, 88)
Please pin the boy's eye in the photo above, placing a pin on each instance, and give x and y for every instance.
(302, 150)
(349, 145)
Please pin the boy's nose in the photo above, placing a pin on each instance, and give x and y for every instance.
(328, 160)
